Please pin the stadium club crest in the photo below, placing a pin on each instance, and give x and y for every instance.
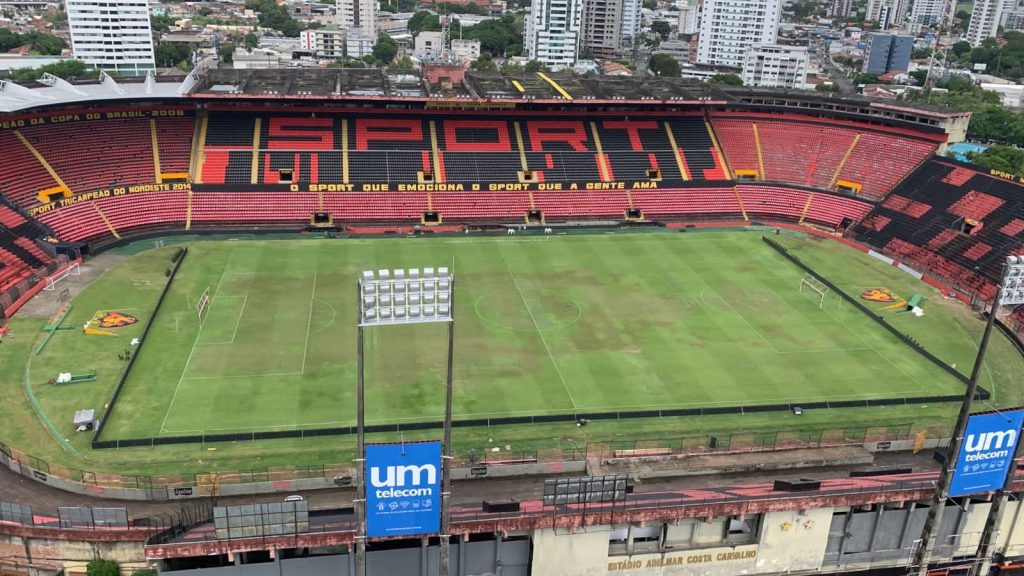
(114, 319)
(879, 295)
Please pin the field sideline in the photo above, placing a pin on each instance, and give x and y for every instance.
(544, 325)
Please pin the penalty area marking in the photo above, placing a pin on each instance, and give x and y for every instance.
(177, 388)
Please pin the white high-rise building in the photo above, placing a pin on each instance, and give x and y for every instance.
(112, 35)
(687, 19)
(985, 18)
(729, 27)
(358, 15)
(631, 18)
(928, 12)
(552, 32)
(887, 13)
(775, 66)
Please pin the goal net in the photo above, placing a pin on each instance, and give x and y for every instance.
(815, 288)
(203, 306)
(51, 281)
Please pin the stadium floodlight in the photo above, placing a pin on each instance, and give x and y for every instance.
(392, 298)
(1008, 292)
(1013, 282)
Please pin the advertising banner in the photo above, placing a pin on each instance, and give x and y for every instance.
(986, 452)
(403, 489)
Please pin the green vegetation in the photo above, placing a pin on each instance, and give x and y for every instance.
(38, 43)
(226, 52)
(1002, 158)
(170, 54)
(102, 568)
(727, 79)
(161, 23)
(661, 28)
(724, 298)
(664, 65)
(423, 21)
(275, 17)
(499, 37)
(64, 69)
(385, 49)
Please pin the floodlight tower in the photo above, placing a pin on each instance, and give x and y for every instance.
(1009, 290)
(1011, 294)
(396, 297)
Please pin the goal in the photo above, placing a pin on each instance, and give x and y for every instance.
(815, 288)
(203, 306)
(51, 281)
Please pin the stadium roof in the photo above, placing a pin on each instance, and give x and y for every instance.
(477, 89)
(50, 90)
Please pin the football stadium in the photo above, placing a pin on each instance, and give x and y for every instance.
(646, 327)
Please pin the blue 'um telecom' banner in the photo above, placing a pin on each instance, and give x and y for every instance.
(403, 489)
(986, 452)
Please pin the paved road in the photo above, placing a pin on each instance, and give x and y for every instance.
(45, 499)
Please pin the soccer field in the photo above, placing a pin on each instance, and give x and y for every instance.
(567, 324)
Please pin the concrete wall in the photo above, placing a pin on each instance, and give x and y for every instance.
(505, 557)
(69, 555)
(581, 554)
(793, 540)
(280, 486)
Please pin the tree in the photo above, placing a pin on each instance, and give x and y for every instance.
(651, 4)
(423, 21)
(827, 88)
(102, 568)
(404, 63)
(169, 54)
(664, 65)
(385, 49)
(921, 53)
(962, 47)
(1002, 158)
(484, 64)
(275, 17)
(64, 69)
(661, 28)
(862, 78)
(227, 52)
(252, 41)
(496, 36)
(727, 79)
(534, 66)
(161, 23)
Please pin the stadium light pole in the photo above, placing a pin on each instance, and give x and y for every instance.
(941, 494)
(397, 297)
(1011, 293)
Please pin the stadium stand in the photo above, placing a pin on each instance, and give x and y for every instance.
(21, 175)
(174, 136)
(824, 156)
(343, 148)
(951, 220)
(20, 256)
(773, 202)
(111, 215)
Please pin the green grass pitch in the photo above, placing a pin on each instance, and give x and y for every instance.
(569, 324)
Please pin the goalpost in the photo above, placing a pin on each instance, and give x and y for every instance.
(51, 281)
(203, 305)
(816, 287)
